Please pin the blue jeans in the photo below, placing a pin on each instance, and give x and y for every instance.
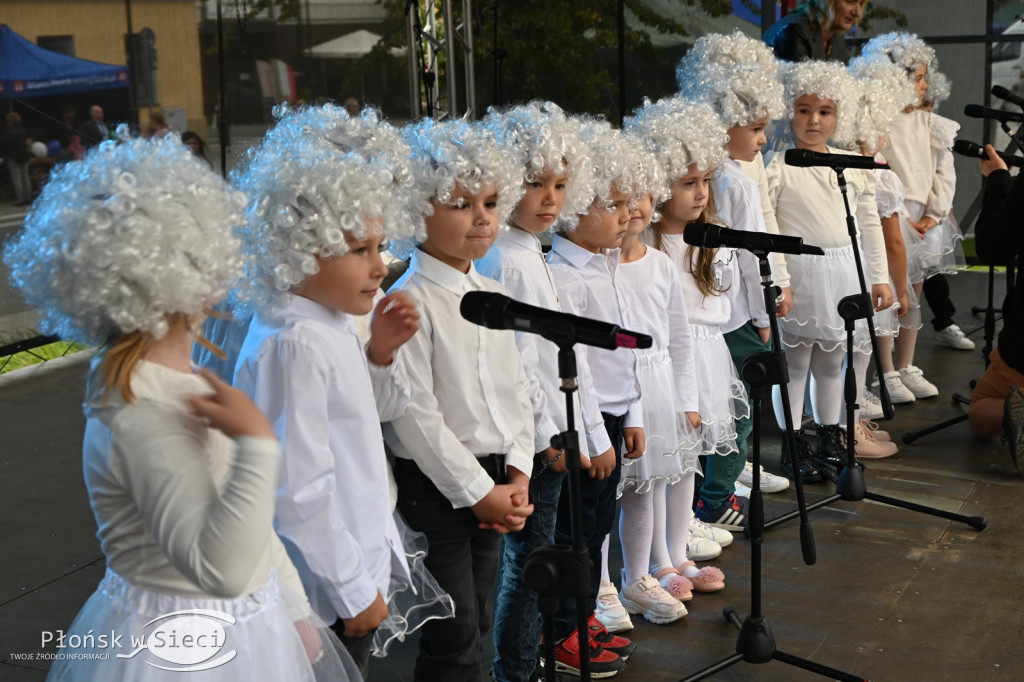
(598, 501)
(517, 621)
(464, 560)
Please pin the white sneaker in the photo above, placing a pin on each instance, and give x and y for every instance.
(701, 549)
(648, 598)
(953, 337)
(705, 530)
(898, 392)
(871, 406)
(610, 611)
(913, 378)
(770, 483)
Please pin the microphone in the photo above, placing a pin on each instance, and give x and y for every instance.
(806, 158)
(967, 148)
(1008, 95)
(709, 236)
(497, 311)
(978, 111)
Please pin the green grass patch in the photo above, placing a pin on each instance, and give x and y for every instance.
(35, 356)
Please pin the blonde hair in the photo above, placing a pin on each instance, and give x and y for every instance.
(119, 356)
(701, 266)
(822, 12)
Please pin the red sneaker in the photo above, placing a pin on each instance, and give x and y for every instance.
(609, 642)
(602, 663)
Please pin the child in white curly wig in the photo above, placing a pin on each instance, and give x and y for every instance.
(326, 191)
(128, 248)
(885, 93)
(583, 261)
(689, 139)
(464, 450)
(824, 99)
(546, 142)
(739, 77)
(918, 149)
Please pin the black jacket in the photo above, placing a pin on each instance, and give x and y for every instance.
(794, 38)
(999, 238)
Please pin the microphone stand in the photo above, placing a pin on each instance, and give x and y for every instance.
(555, 571)
(850, 485)
(756, 643)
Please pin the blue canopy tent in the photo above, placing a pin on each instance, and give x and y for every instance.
(27, 70)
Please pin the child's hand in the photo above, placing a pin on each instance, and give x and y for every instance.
(368, 620)
(229, 410)
(395, 320)
(635, 440)
(602, 466)
(881, 296)
(498, 510)
(786, 304)
(694, 419)
(923, 225)
(904, 300)
(310, 639)
(562, 464)
(765, 333)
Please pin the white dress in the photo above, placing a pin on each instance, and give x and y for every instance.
(721, 397)
(809, 204)
(889, 196)
(653, 304)
(184, 516)
(918, 149)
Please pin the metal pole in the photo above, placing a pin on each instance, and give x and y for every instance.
(987, 125)
(767, 15)
(133, 112)
(467, 28)
(412, 8)
(449, 52)
(622, 61)
(222, 121)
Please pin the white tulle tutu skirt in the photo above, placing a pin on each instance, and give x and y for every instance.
(940, 250)
(673, 446)
(888, 323)
(412, 599)
(167, 638)
(818, 283)
(720, 394)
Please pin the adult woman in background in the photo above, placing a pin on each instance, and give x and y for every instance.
(815, 30)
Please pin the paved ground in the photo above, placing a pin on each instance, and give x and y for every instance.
(895, 594)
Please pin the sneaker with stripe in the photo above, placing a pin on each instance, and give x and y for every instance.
(731, 515)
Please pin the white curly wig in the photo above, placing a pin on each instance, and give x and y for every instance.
(905, 50)
(885, 92)
(827, 80)
(939, 87)
(615, 165)
(453, 154)
(133, 233)
(319, 174)
(737, 75)
(680, 132)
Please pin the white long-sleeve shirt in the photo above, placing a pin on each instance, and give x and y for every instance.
(517, 261)
(808, 204)
(714, 310)
(653, 295)
(181, 508)
(586, 287)
(469, 396)
(918, 150)
(305, 368)
(755, 170)
(738, 201)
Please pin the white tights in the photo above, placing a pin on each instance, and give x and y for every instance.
(825, 369)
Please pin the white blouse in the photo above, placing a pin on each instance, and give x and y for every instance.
(181, 508)
(469, 396)
(714, 310)
(517, 261)
(809, 204)
(918, 149)
(305, 368)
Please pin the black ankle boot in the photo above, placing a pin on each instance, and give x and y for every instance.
(831, 455)
(809, 471)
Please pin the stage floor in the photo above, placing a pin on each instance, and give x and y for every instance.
(894, 595)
